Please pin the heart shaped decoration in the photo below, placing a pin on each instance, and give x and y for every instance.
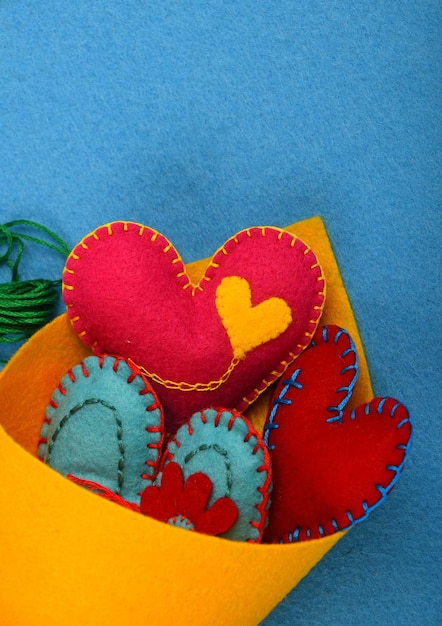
(104, 425)
(331, 466)
(219, 342)
(224, 446)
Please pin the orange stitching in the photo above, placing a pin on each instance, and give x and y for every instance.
(109, 229)
(248, 232)
(184, 386)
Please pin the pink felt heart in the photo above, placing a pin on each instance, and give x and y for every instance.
(220, 342)
(331, 467)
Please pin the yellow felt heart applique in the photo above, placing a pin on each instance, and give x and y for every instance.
(246, 325)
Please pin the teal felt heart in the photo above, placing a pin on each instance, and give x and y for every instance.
(223, 445)
(104, 425)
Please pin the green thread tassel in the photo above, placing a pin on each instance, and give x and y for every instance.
(26, 306)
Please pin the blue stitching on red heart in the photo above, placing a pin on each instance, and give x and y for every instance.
(384, 491)
(339, 409)
(292, 382)
(270, 424)
(377, 405)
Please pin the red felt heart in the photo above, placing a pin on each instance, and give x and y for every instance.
(331, 467)
(221, 342)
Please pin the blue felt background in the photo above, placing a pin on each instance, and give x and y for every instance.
(200, 118)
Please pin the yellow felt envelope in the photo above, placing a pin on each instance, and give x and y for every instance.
(69, 557)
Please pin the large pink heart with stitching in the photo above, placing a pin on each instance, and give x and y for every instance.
(220, 342)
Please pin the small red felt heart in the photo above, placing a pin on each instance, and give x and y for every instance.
(221, 342)
(331, 467)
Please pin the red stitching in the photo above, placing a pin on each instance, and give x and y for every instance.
(84, 370)
(153, 429)
(217, 419)
(231, 422)
(155, 446)
(153, 406)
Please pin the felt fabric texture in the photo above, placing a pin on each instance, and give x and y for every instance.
(44, 514)
(184, 502)
(223, 444)
(332, 466)
(202, 118)
(249, 326)
(193, 340)
(94, 555)
(104, 424)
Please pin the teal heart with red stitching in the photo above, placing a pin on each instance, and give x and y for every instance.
(104, 430)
